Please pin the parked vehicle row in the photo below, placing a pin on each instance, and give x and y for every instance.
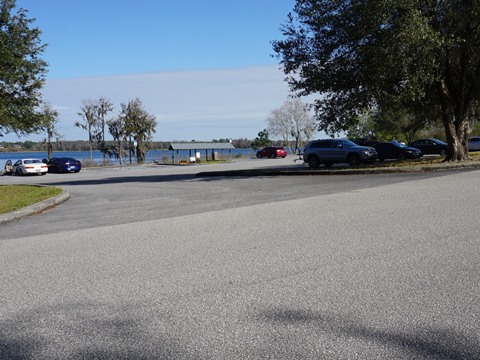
(41, 167)
(331, 151)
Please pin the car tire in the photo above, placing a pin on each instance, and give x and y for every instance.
(328, 164)
(19, 171)
(273, 156)
(401, 157)
(354, 160)
(313, 162)
(259, 156)
(443, 152)
(381, 159)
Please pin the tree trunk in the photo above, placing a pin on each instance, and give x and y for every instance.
(141, 148)
(49, 150)
(297, 143)
(456, 128)
(49, 145)
(120, 151)
(91, 151)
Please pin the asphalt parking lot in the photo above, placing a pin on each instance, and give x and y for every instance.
(156, 262)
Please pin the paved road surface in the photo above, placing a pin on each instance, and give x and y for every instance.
(153, 263)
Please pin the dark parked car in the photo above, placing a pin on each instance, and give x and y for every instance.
(272, 152)
(474, 143)
(396, 150)
(331, 151)
(430, 146)
(64, 164)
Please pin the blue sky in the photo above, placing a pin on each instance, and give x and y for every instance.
(204, 68)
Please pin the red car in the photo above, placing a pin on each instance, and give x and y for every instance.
(272, 152)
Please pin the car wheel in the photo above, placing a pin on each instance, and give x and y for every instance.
(313, 162)
(401, 157)
(19, 171)
(354, 160)
(443, 152)
(259, 156)
(273, 156)
(328, 164)
(381, 159)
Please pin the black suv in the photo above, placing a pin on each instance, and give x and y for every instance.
(331, 151)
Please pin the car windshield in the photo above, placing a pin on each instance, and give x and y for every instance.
(347, 143)
(397, 144)
(32, 161)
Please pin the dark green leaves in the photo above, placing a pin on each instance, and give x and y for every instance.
(22, 71)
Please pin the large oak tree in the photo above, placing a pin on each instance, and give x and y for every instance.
(374, 54)
(22, 71)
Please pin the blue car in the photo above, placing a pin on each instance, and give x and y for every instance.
(63, 165)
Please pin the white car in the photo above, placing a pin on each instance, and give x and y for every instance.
(29, 166)
(474, 143)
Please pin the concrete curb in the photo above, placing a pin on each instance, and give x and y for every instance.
(342, 171)
(34, 208)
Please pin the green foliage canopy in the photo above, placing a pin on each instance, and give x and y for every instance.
(372, 54)
(138, 123)
(22, 71)
(262, 140)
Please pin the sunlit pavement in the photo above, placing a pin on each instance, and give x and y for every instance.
(153, 262)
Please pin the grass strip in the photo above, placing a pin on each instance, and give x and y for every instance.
(14, 197)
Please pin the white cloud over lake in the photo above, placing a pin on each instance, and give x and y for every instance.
(189, 105)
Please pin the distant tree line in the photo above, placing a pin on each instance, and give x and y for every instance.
(84, 145)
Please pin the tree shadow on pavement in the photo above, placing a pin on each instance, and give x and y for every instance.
(421, 343)
(83, 331)
(125, 179)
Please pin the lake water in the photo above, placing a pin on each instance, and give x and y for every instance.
(157, 155)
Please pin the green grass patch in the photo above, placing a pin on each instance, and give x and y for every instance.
(209, 162)
(14, 197)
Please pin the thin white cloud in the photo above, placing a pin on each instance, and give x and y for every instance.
(202, 104)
